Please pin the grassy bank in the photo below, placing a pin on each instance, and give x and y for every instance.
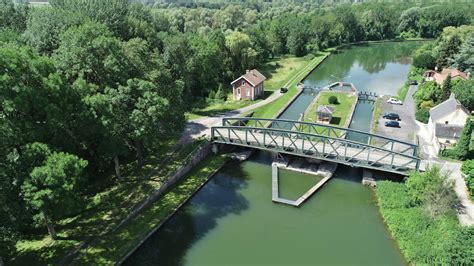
(110, 248)
(375, 115)
(279, 71)
(271, 109)
(342, 110)
(423, 240)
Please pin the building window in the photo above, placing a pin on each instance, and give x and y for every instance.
(446, 122)
(248, 93)
(243, 82)
(238, 92)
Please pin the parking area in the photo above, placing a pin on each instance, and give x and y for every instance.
(408, 128)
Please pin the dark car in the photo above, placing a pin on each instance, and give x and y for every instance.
(283, 90)
(414, 82)
(392, 124)
(391, 116)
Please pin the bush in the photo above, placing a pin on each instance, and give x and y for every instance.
(212, 95)
(422, 115)
(333, 100)
(468, 169)
(422, 239)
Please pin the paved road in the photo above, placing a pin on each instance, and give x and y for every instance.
(202, 126)
(406, 111)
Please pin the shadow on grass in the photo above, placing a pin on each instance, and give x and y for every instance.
(335, 120)
(218, 198)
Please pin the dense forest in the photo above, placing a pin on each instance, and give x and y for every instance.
(88, 85)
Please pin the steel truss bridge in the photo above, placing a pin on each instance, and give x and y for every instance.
(318, 141)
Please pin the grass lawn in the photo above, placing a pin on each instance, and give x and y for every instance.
(280, 72)
(110, 248)
(269, 110)
(109, 203)
(342, 111)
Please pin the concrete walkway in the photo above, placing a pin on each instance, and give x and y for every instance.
(202, 126)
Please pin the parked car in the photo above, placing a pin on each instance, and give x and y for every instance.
(283, 90)
(394, 101)
(392, 124)
(414, 82)
(391, 116)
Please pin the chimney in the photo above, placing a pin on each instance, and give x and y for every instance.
(247, 71)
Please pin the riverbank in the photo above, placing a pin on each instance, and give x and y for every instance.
(423, 240)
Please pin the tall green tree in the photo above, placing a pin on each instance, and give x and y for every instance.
(52, 188)
(464, 59)
(447, 50)
(443, 93)
(91, 52)
(241, 51)
(112, 13)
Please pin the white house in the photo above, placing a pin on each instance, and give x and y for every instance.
(446, 122)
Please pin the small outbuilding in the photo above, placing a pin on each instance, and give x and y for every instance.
(324, 113)
(249, 86)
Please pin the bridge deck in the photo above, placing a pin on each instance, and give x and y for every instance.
(315, 146)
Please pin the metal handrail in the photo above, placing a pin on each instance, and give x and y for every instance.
(225, 119)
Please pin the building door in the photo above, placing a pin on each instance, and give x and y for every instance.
(238, 93)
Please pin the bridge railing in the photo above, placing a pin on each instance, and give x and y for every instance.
(325, 130)
(316, 146)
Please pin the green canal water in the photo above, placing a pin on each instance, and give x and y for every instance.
(232, 220)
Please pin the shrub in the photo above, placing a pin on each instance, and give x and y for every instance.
(422, 115)
(333, 100)
(468, 169)
(212, 95)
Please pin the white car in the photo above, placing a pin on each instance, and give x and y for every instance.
(394, 101)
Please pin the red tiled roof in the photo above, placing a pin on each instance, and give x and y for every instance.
(253, 76)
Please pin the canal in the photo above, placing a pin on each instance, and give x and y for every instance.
(232, 219)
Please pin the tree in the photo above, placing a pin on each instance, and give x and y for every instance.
(424, 59)
(443, 93)
(468, 170)
(378, 23)
(447, 51)
(408, 21)
(13, 16)
(332, 99)
(433, 190)
(45, 25)
(464, 91)
(297, 40)
(464, 60)
(52, 188)
(464, 145)
(112, 13)
(91, 52)
(241, 51)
